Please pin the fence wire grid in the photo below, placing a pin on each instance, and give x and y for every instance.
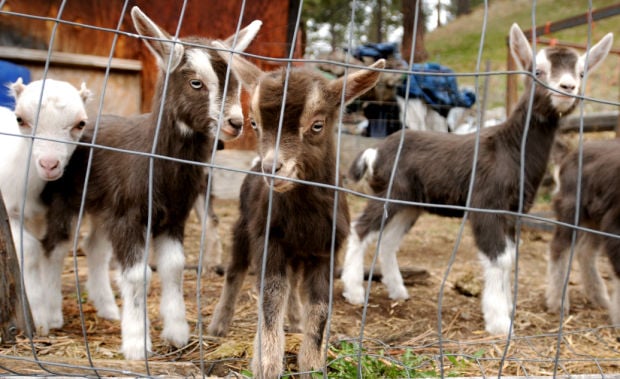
(438, 332)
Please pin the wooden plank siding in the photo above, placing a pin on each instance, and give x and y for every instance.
(25, 24)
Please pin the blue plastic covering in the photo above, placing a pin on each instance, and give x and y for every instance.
(9, 73)
(441, 92)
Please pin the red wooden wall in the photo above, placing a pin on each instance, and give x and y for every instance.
(214, 19)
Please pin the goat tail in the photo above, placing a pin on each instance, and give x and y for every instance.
(362, 165)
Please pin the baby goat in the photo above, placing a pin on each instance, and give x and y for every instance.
(597, 210)
(299, 233)
(118, 185)
(61, 117)
(436, 169)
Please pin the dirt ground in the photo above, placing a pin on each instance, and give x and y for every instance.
(589, 345)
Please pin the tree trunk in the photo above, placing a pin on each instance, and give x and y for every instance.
(12, 316)
(409, 12)
(462, 7)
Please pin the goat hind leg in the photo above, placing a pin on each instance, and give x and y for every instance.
(233, 279)
(391, 239)
(98, 253)
(497, 293)
(593, 285)
(363, 231)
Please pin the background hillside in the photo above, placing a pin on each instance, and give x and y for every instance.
(456, 44)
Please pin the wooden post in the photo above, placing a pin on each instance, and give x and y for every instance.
(12, 305)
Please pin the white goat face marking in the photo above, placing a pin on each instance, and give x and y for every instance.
(288, 169)
(61, 118)
(563, 81)
(200, 61)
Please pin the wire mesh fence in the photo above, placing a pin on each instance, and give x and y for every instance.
(438, 331)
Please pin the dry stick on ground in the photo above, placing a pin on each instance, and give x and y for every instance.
(12, 316)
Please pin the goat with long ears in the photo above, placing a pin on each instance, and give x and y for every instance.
(117, 198)
(299, 235)
(436, 169)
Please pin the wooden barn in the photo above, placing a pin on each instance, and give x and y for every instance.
(81, 43)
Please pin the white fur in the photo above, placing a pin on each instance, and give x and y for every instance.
(50, 110)
(98, 253)
(133, 282)
(353, 282)
(200, 62)
(170, 263)
(497, 293)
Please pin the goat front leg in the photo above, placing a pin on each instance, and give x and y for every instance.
(558, 270)
(170, 264)
(98, 253)
(267, 361)
(51, 277)
(134, 280)
(31, 266)
(316, 288)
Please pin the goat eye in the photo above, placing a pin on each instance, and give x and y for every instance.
(317, 126)
(253, 124)
(581, 74)
(195, 83)
(80, 125)
(20, 121)
(539, 73)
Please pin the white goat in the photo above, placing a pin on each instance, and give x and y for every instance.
(55, 116)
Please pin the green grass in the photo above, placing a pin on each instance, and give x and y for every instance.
(456, 44)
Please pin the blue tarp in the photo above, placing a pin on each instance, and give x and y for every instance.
(441, 92)
(9, 73)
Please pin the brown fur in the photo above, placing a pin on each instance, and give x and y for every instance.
(598, 210)
(300, 225)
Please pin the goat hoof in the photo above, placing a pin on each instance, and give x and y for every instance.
(134, 351)
(399, 294)
(500, 327)
(177, 335)
(354, 296)
(109, 313)
(216, 331)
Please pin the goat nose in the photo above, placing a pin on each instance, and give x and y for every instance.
(567, 87)
(268, 166)
(49, 164)
(236, 122)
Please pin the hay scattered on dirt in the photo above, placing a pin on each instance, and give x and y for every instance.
(588, 344)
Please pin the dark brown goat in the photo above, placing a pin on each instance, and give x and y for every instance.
(436, 169)
(598, 210)
(118, 185)
(299, 235)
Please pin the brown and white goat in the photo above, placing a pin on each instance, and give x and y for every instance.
(299, 228)
(49, 117)
(436, 169)
(598, 210)
(118, 192)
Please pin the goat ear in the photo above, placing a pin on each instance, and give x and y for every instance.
(162, 45)
(84, 92)
(597, 53)
(520, 47)
(17, 88)
(244, 37)
(358, 82)
(245, 70)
